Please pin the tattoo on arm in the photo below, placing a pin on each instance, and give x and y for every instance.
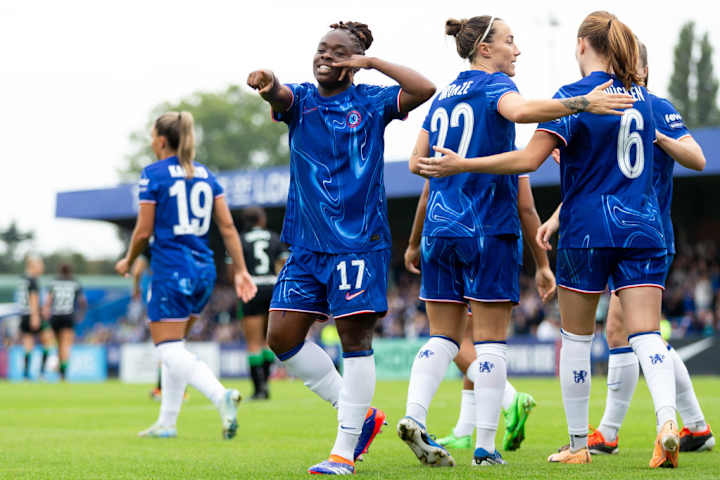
(576, 104)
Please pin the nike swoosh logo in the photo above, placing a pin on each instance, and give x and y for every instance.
(349, 297)
(694, 349)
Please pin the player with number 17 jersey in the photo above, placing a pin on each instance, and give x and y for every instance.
(336, 216)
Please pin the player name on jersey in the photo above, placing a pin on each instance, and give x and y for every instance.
(453, 90)
(177, 171)
(635, 92)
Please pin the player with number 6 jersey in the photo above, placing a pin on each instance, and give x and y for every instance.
(178, 197)
(610, 227)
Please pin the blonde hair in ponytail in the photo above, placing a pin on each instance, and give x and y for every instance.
(179, 129)
(615, 41)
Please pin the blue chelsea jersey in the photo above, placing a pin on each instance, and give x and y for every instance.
(668, 122)
(336, 201)
(606, 172)
(183, 212)
(464, 118)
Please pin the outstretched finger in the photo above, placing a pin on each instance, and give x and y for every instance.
(443, 150)
(424, 162)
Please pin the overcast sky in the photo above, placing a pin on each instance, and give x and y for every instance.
(76, 77)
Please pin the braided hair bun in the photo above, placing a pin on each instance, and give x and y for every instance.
(359, 31)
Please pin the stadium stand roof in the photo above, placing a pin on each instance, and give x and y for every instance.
(268, 187)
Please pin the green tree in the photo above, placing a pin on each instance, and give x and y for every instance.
(706, 110)
(233, 129)
(12, 237)
(679, 88)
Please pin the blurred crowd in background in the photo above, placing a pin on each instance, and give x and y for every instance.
(691, 302)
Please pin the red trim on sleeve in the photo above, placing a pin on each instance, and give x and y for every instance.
(497, 104)
(683, 136)
(148, 201)
(554, 133)
(398, 105)
(220, 195)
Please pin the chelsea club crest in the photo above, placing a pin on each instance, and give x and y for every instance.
(353, 118)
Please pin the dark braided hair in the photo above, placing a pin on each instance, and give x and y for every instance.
(359, 31)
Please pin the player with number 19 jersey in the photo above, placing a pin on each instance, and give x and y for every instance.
(469, 245)
(181, 260)
(610, 223)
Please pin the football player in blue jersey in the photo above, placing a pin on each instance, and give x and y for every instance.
(336, 224)
(610, 227)
(178, 197)
(516, 406)
(674, 144)
(470, 237)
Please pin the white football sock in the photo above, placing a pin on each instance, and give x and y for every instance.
(508, 395)
(184, 364)
(575, 385)
(355, 398)
(466, 420)
(173, 391)
(658, 369)
(315, 368)
(489, 388)
(429, 368)
(509, 392)
(687, 403)
(622, 378)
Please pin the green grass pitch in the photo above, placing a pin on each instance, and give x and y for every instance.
(59, 431)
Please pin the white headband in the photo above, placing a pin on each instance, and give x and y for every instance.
(481, 39)
(487, 30)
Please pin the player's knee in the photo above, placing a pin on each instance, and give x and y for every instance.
(359, 343)
(615, 332)
(616, 340)
(278, 342)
